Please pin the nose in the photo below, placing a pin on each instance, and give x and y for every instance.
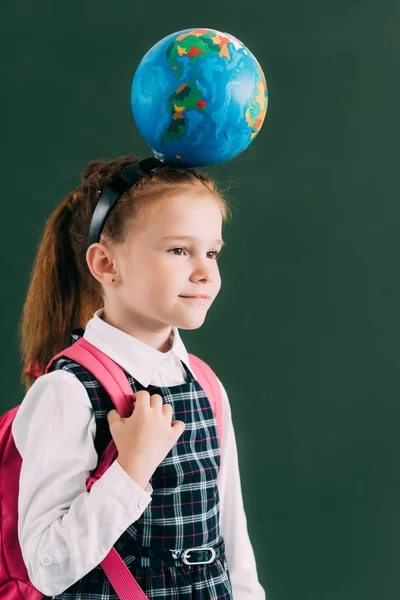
(203, 271)
(206, 277)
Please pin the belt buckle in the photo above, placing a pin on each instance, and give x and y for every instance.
(185, 555)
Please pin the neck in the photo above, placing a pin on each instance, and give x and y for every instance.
(157, 335)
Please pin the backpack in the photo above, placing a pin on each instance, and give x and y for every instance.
(14, 579)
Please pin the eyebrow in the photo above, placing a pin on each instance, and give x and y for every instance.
(189, 237)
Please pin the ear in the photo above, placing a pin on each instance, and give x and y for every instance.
(102, 263)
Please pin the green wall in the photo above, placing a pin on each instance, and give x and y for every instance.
(304, 333)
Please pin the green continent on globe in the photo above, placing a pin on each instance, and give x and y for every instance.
(196, 44)
(186, 96)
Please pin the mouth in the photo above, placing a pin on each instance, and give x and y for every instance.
(200, 298)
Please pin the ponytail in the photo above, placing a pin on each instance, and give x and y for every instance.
(55, 302)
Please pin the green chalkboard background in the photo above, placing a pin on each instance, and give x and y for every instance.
(304, 333)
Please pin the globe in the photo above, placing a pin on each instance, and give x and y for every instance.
(199, 97)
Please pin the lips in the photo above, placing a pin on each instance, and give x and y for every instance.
(199, 296)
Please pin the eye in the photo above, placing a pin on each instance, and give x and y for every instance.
(173, 250)
(215, 252)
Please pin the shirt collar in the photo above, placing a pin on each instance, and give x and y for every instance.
(137, 358)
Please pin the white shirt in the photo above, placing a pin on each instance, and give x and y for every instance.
(63, 530)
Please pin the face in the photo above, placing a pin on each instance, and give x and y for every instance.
(168, 260)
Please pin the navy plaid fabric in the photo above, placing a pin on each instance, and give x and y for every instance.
(184, 512)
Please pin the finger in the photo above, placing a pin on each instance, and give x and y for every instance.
(156, 401)
(167, 410)
(142, 398)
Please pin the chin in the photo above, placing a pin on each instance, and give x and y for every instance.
(190, 322)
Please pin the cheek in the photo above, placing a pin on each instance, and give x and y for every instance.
(162, 266)
(159, 272)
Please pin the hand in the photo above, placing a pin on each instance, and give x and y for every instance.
(144, 439)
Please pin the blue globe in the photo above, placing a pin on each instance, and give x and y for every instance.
(199, 97)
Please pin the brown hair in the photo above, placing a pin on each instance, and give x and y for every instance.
(62, 293)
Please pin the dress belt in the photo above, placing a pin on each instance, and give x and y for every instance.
(189, 556)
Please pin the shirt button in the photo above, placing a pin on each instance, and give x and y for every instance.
(166, 360)
(141, 503)
(46, 560)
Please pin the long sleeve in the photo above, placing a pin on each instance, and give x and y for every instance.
(64, 531)
(233, 523)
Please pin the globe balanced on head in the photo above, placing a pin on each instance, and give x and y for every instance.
(199, 97)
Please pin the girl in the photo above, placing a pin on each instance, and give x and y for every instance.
(126, 279)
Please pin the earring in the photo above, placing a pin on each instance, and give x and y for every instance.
(113, 280)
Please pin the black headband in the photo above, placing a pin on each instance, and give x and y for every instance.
(124, 180)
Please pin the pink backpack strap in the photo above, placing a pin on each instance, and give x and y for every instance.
(209, 382)
(113, 379)
(108, 372)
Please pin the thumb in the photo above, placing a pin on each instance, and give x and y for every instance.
(112, 416)
(178, 428)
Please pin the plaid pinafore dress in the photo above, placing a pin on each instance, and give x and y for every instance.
(184, 511)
